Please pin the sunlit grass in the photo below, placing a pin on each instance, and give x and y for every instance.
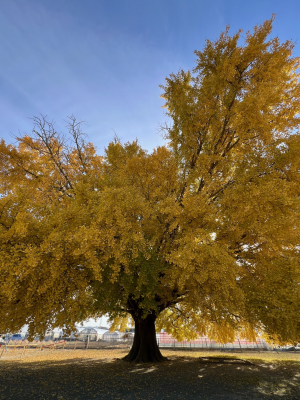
(111, 354)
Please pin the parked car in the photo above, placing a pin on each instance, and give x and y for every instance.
(66, 338)
(288, 348)
(16, 336)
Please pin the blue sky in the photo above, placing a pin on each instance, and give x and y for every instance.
(103, 60)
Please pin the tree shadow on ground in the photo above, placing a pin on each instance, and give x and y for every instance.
(179, 378)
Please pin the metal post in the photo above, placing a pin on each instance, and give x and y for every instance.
(24, 348)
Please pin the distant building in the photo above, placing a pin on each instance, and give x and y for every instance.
(91, 333)
(111, 336)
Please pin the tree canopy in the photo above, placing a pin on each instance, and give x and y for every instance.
(200, 236)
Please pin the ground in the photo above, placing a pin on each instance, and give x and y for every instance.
(100, 374)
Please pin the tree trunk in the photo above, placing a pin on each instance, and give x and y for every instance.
(144, 348)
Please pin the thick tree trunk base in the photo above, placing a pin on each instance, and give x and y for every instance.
(144, 348)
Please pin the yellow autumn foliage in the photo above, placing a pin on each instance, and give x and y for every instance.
(203, 232)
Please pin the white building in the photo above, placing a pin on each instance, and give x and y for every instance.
(111, 336)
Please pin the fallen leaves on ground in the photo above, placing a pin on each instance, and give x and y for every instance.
(101, 374)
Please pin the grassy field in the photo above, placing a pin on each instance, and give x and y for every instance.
(100, 374)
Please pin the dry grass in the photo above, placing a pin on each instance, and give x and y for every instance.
(32, 355)
(99, 374)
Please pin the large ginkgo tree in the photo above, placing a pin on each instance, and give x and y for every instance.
(200, 236)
